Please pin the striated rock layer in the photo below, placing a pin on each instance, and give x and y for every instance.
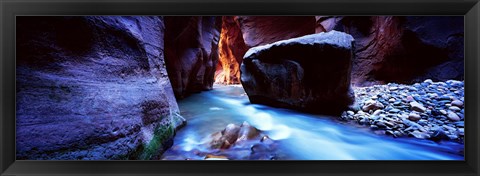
(310, 73)
(191, 52)
(402, 49)
(231, 49)
(93, 88)
(240, 33)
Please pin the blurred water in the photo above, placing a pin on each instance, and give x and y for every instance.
(301, 136)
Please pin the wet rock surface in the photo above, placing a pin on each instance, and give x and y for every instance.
(426, 110)
(310, 73)
(235, 142)
(92, 88)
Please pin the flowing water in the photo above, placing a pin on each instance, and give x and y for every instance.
(300, 136)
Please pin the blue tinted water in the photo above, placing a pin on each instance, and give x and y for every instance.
(301, 136)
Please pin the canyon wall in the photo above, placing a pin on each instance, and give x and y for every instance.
(402, 49)
(191, 52)
(397, 49)
(239, 33)
(93, 88)
(231, 49)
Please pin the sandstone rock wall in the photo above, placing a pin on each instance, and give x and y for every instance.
(191, 52)
(93, 88)
(402, 49)
(231, 49)
(240, 33)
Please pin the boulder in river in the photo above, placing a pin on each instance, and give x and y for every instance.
(233, 134)
(310, 73)
(235, 142)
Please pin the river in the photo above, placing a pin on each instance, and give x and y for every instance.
(301, 136)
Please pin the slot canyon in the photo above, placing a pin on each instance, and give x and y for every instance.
(240, 88)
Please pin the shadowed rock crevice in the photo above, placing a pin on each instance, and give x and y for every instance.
(191, 52)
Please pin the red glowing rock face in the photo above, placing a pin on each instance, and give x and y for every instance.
(254, 31)
(231, 49)
(191, 52)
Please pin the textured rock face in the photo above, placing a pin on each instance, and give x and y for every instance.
(191, 52)
(402, 49)
(231, 49)
(240, 33)
(310, 73)
(93, 88)
(260, 30)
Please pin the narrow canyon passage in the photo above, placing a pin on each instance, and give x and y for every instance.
(300, 136)
(239, 87)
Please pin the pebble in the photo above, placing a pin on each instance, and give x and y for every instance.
(457, 103)
(438, 135)
(409, 98)
(372, 105)
(460, 124)
(350, 113)
(377, 112)
(452, 116)
(429, 81)
(461, 131)
(426, 110)
(393, 110)
(417, 106)
(454, 108)
(443, 112)
(414, 117)
(420, 135)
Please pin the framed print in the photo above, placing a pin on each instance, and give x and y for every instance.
(256, 87)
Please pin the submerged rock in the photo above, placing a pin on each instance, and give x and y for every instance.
(235, 142)
(310, 73)
(233, 134)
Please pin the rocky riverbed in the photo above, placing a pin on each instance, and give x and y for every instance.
(427, 110)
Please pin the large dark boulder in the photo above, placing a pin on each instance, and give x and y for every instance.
(310, 73)
(191, 52)
(93, 88)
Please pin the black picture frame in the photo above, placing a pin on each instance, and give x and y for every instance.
(10, 8)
